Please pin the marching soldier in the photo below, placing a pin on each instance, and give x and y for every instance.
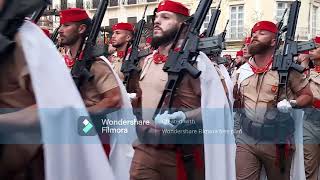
(103, 91)
(103, 95)
(311, 133)
(160, 161)
(262, 116)
(155, 158)
(121, 38)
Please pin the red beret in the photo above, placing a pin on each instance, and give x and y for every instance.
(172, 6)
(305, 52)
(46, 31)
(73, 15)
(240, 53)
(265, 25)
(317, 39)
(123, 26)
(247, 40)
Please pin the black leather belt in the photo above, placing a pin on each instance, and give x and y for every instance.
(268, 131)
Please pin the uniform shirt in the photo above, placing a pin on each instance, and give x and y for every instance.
(153, 81)
(116, 63)
(103, 81)
(260, 92)
(15, 83)
(314, 80)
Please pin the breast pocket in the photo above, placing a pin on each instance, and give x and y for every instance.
(269, 91)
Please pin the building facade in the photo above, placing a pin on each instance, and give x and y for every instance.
(243, 14)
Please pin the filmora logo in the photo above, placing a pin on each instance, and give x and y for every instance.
(86, 127)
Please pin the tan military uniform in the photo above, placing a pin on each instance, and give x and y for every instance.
(311, 131)
(159, 162)
(259, 92)
(18, 160)
(116, 63)
(103, 81)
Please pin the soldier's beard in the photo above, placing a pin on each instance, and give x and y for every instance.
(71, 40)
(117, 46)
(167, 37)
(259, 48)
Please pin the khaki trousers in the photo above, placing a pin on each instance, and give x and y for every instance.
(251, 157)
(150, 163)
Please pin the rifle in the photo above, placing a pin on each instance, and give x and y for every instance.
(213, 21)
(181, 62)
(81, 70)
(283, 63)
(54, 36)
(284, 58)
(212, 46)
(130, 66)
(12, 17)
(38, 13)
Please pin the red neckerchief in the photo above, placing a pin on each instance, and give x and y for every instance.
(121, 54)
(160, 58)
(317, 68)
(69, 61)
(316, 104)
(258, 70)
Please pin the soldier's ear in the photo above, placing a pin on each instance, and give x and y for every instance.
(82, 28)
(273, 42)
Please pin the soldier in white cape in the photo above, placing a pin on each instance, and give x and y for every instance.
(67, 155)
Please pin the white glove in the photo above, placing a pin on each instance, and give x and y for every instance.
(284, 106)
(170, 121)
(178, 117)
(132, 96)
(163, 121)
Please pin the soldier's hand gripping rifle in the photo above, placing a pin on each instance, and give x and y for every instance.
(81, 70)
(181, 62)
(284, 63)
(130, 66)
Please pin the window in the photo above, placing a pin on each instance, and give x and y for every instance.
(113, 3)
(236, 22)
(64, 4)
(207, 20)
(314, 21)
(132, 1)
(79, 4)
(281, 7)
(95, 4)
(113, 21)
(132, 20)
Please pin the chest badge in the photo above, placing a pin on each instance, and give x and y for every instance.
(274, 88)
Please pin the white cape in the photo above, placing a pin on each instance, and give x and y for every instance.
(219, 143)
(68, 156)
(297, 166)
(121, 153)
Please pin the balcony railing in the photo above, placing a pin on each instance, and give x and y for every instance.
(138, 2)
